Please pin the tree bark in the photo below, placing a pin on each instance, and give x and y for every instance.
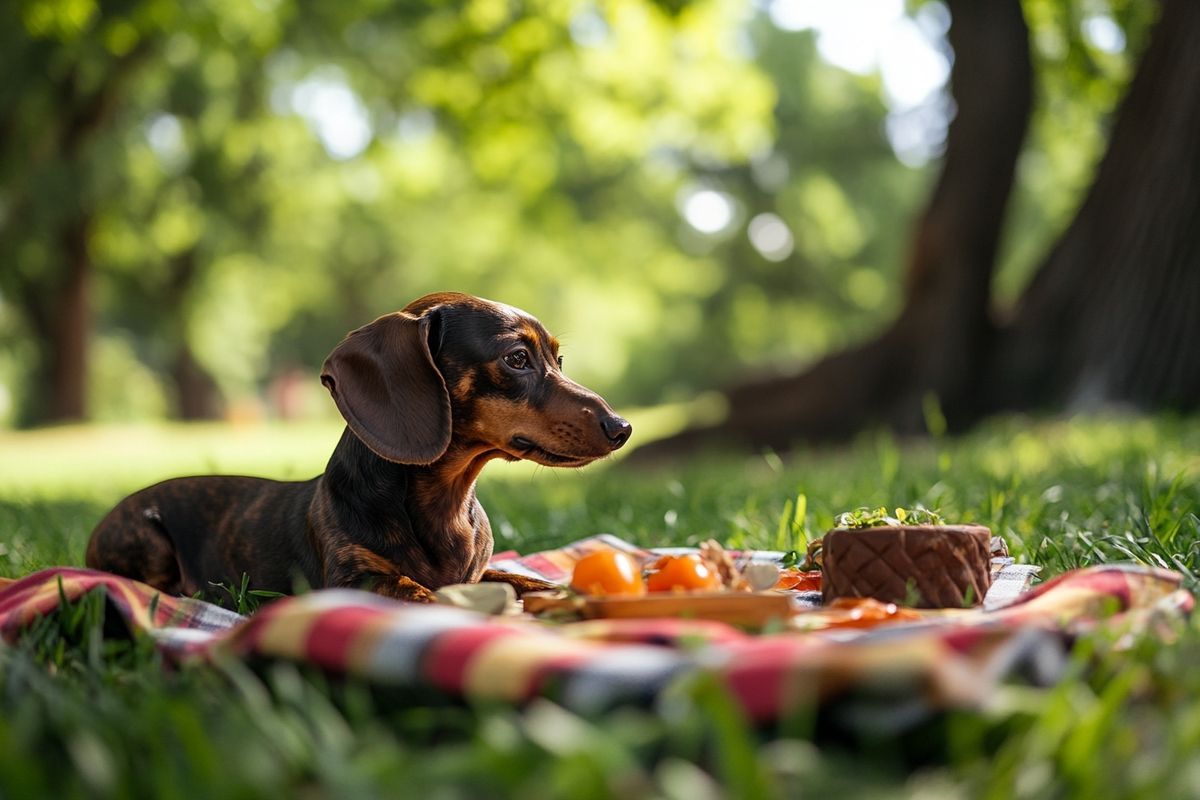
(197, 396)
(1113, 314)
(59, 314)
(932, 347)
(68, 339)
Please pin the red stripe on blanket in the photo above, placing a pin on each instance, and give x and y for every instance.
(446, 663)
(1184, 602)
(37, 595)
(334, 632)
(757, 674)
(966, 638)
(1100, 581)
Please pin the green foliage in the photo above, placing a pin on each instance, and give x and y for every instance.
(74, 644)
(864, 517)
(239, 597)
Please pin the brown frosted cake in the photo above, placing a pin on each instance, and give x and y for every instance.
(926, 566)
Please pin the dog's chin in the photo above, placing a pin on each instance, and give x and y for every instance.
(522, 449)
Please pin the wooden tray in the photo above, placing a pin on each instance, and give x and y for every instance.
(752, 609)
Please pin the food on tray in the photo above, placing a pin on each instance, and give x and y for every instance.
(708, 584)
(866, 612)
(749, 609)
(910, 558)
(716, 557)
(608, 572)
(686, 573)
(799, 580)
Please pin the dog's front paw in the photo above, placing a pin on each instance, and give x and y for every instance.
(520, 583)
(405, 589)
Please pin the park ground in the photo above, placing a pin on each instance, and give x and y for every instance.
(81, 715)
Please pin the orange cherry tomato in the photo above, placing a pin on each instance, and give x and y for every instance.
(687, 572)
(607, 572)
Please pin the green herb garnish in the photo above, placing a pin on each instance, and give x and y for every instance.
(865, 517)
(791, 559)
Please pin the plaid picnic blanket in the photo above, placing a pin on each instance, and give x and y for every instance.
(946, 661)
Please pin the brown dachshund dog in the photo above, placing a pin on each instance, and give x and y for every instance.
(430, 394)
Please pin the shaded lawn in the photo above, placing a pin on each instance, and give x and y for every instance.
(1063, 494)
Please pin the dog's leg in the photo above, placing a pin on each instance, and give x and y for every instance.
(521, 583)
(402, 588)
(355, 567)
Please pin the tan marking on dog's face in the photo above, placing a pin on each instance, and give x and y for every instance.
(564, 433)
(540, 342)
(464, 387)
(497, 420)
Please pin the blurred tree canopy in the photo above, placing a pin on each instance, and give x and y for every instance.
(197, 200)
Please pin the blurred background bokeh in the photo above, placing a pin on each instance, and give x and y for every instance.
(198, 199)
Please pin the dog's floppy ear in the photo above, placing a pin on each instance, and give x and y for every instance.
(384, 381)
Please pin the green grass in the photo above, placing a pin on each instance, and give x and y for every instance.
(84, 715)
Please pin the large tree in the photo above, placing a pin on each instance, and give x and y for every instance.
(1111, 315)
(51, 124)
(165, 181)
(82, 86)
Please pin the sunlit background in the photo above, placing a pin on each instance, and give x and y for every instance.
(684, 192)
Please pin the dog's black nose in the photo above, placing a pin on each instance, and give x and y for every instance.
(617, 430)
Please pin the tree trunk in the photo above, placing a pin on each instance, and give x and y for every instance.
(68, 341)
(58, 311)
(932, 347)
(1113, 314)
(197, 396)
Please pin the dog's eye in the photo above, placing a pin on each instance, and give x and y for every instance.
(560, 362)
(517, 359)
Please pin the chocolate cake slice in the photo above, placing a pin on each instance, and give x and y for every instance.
(926, 566)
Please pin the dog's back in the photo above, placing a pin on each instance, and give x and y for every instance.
(182, 535)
